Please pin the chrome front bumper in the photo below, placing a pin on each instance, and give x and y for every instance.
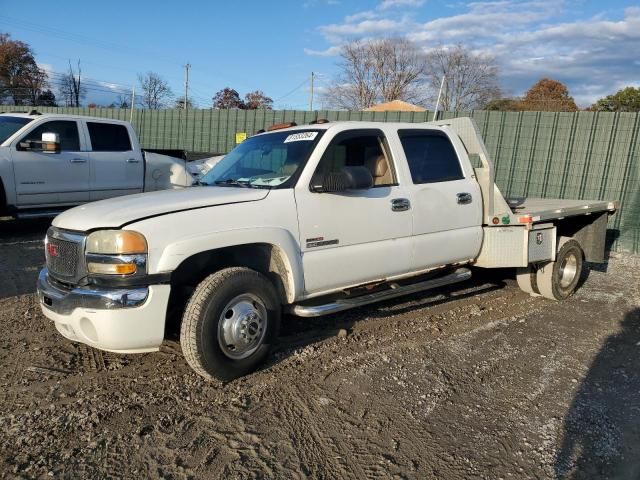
(65, 301)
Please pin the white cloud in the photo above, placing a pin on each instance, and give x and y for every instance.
(593, 56)
(48, 68)
(313, 3)
(110, 86)
(387, 4)
(338, 32)
(356, 17)
(329, 52)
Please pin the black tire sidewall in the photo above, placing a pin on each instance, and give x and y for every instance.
(213, 358)
(567, 249)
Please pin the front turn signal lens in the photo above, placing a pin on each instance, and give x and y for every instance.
(112, 268)
(116, 242)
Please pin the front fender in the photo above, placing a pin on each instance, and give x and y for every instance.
(7, 184)
(172, 255)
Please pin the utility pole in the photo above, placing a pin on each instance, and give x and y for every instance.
(186, 99)
(133, 103)
(435, 112)
(186, 84)
(311, 99)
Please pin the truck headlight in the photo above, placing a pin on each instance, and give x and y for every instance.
(116, 252)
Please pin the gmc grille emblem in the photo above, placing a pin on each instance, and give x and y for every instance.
(52, 250)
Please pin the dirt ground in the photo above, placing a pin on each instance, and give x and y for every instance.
(478, 380)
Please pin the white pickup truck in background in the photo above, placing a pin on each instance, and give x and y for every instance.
(49, 162)
(310, 220)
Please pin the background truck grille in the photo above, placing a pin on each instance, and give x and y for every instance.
(63, 257)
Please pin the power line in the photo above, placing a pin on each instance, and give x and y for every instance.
(86, 40)
(66, 35)
(88, 79)
(292, 91)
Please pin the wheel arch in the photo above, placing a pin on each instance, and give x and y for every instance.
(3, 198)
(266, 258)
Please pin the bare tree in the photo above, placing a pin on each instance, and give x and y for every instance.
(471, 80)
(71, 88)
(123, 100)
(399, 69)
(377, 71)
(354, 88)
(155, 91)
(179, 103)
(35, 83)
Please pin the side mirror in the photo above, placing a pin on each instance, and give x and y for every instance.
(50, 142)
(348, 178)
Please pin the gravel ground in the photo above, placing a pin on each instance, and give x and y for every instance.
(478, 380)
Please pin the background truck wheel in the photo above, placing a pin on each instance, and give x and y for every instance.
(230, 323)
(527, 281)
(558, 280)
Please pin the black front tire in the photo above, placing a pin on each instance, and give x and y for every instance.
(201, 334)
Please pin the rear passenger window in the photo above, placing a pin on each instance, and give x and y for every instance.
(108, 137)
(431, 156)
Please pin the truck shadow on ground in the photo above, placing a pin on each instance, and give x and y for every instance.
(297, 332)
(601, 437)
(21, 255)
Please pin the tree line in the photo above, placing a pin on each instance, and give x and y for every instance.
(377, 71)
(156, 93)
(369, 72)
(24, 82)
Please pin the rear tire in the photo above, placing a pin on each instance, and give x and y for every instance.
(230, 323)
(558, 280)
(526, 278)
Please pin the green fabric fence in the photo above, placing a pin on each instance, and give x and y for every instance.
(584, 155)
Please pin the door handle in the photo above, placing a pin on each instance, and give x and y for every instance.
(78, 160)
(464, 198)
(133, 160)
(400, 204)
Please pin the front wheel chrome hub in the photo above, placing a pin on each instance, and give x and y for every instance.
(242, 326)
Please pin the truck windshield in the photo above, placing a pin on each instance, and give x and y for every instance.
(10, 125)
(264, 161)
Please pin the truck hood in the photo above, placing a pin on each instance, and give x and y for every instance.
(115, 212)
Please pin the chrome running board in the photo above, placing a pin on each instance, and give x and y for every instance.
(395, 290)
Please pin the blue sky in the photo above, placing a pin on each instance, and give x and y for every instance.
(273, 46)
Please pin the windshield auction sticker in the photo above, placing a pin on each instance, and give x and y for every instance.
(301, 137)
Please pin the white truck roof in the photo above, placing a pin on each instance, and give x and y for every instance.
(360, 124)
(37, 116)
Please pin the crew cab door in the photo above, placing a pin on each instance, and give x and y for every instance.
(445, 199)
(356, 236)
(118, 167)
(52, 178)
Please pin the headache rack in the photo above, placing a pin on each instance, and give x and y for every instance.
(522, 231)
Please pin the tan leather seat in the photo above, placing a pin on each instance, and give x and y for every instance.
(379, 168)
(289, 168)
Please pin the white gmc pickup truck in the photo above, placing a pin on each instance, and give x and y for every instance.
(49, 162)
(308, 220)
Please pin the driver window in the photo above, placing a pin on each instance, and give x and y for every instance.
(67, 129)
(359, 149)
